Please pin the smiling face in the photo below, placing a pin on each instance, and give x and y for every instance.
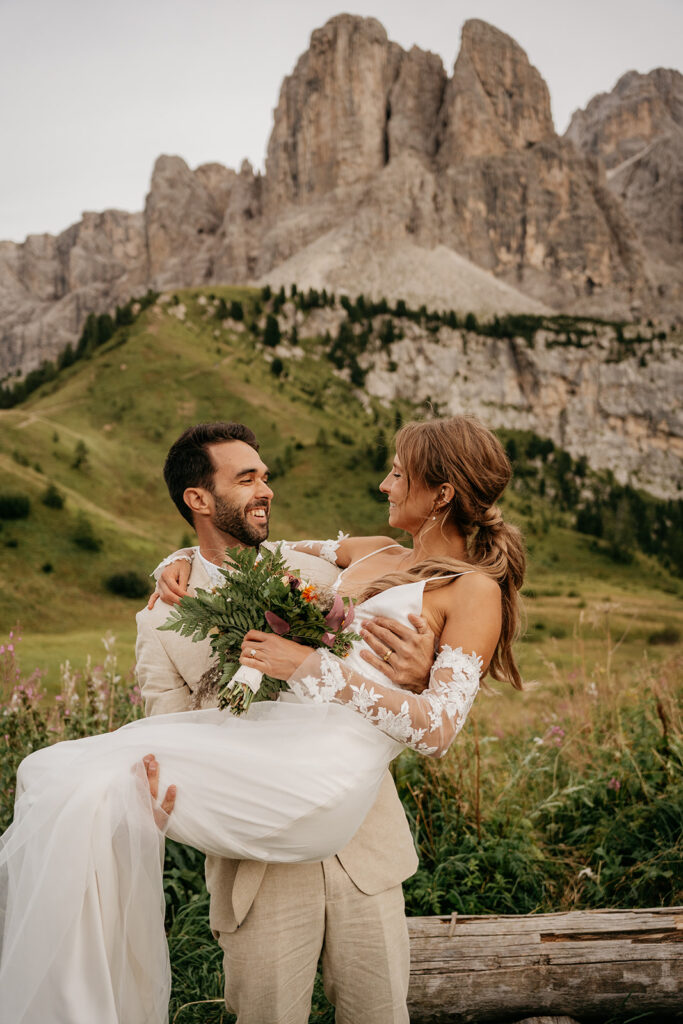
(238, 503)
(409, 507)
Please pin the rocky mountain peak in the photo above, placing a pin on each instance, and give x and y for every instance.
(496, 100)
(618, 125)
(329, 124)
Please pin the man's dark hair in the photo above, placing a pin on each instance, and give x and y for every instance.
(188, 463)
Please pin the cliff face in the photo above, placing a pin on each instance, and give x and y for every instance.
(637, 132)
(625, 416)
(385, 175)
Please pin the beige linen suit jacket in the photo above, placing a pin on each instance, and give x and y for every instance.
(169, 668)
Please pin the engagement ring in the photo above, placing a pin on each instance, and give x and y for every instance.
(388, 654)
(252, 653)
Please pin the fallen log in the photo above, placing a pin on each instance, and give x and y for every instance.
(592, 965)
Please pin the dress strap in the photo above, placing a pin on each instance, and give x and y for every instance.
(450, 575)
(369, 554)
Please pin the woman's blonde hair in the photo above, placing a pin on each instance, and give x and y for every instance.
(461, 451)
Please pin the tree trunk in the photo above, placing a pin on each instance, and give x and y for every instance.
(589, 964)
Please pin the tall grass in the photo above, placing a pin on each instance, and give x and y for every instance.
(580, 807)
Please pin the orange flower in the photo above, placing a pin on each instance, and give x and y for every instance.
(309, 593)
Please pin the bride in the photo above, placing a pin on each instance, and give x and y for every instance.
(81, 892)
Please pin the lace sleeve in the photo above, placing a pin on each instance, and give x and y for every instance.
(183, 555)
(427, 722)
(326, 549)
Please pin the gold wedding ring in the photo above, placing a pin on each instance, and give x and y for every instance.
(388, 654)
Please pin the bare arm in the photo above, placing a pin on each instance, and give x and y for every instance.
(428, 721)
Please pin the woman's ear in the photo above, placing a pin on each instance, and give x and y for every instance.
(198, 500)
(445, 494)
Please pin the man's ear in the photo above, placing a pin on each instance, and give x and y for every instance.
(199, 501)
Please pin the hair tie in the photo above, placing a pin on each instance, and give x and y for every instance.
(492, 519)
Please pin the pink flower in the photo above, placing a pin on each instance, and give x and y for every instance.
(333, 619)
(328, 639)
(614, 784)
(277, 624)
(10, 647)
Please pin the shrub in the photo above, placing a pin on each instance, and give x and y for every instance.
(271, 334)
(277, 366)
(52, 497)
(667, 635)
(14, 506)
(80, 459)
(127, 584)
(84, 536)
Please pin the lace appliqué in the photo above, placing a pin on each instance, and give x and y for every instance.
(427, 722)
(184, 555)
(327, 548)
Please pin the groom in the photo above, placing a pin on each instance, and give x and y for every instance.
(274, 921)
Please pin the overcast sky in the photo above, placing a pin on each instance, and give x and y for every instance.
(91, 92)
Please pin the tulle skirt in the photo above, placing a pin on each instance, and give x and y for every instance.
(81, 889)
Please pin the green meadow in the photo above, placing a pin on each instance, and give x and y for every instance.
(567, 795)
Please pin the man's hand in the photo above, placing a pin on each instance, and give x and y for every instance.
(412, 650)
(163, 809)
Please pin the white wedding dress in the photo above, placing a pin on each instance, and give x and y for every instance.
(81, 865)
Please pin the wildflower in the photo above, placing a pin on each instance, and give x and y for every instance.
(308, 593)
(556, 733)
(614, 784)
(586, 873)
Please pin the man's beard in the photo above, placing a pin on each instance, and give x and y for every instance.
(231, 518)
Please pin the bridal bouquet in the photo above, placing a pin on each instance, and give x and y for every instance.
(261, 595)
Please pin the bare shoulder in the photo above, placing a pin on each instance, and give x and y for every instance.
(471, 587)
(358, 547)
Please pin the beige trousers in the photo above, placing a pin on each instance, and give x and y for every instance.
(301, 911)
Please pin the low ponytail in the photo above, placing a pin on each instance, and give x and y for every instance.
(461, 451)
(497, 549)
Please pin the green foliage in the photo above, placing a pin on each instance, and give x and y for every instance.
(14, 506)
(587, 813)
(625, 520)
(80, 459)
(222, 312)
(84, 535)
(236, 310)
(277, 366)
(271, 334)
(89, 702)
(97, 330)
(255, 595)
(667, 635)
(128, 584)
(52, 497)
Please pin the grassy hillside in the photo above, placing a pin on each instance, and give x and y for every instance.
(98, 433)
